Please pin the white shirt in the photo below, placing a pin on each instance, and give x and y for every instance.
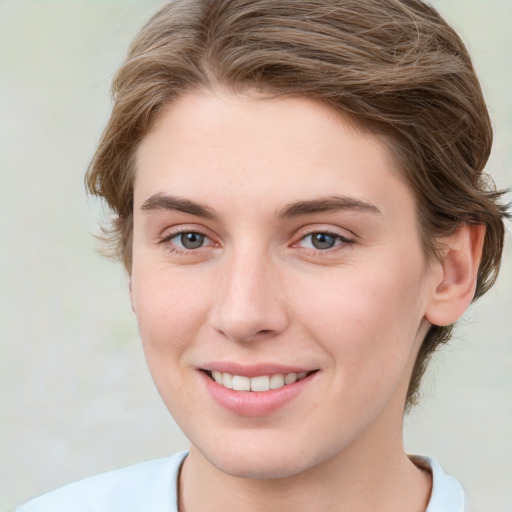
(152, 487)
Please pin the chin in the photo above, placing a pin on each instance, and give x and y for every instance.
(260, 460)
(257, 469)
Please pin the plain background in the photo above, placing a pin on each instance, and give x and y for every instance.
(76, 398)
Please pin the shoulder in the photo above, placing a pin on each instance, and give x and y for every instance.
(149, 486)
(447, 493)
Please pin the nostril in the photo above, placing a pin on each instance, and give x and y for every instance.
(241, 319)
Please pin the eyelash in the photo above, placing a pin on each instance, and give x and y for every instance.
(340, 240)
(166, 240)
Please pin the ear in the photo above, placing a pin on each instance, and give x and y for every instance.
(456, 282)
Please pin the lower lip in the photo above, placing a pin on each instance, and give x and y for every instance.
(255, 403)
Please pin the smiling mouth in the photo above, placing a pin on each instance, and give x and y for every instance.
(256, 384)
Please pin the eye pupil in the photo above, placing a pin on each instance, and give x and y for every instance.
(323, 240)
(192, 240)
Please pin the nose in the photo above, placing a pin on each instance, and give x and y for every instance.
(250, 301)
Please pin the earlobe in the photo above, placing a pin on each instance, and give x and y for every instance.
(459, 264)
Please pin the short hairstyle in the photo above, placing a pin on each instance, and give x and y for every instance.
(393, 67)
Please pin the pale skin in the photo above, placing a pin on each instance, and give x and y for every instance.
(238, 263)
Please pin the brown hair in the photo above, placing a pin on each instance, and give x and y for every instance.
(393, 66)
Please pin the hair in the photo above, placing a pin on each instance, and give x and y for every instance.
(394, 67)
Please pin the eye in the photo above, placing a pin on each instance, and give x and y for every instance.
(322, 240)
(188, 240)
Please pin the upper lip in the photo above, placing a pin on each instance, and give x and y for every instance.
(253, 370)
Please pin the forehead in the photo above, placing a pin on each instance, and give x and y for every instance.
(264, 150)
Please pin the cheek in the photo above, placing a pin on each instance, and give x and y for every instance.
(364, 318)
(169, 316)
(168, 308)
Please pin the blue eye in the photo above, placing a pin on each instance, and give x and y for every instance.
(191, 240)
(322, 241)
(188, 240)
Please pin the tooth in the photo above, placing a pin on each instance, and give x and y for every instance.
(227, 380)
(241, 383)
(276, 381)
(260, 383)
(290, 378)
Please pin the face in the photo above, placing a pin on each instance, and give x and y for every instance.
(278, 282)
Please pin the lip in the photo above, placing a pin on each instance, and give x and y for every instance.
(254, 404)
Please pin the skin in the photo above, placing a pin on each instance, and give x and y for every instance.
(257, 291)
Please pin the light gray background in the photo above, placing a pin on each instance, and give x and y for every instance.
(76, 398)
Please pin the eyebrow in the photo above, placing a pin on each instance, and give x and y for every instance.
(327, 204)
(159, 202)
(164, 202)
